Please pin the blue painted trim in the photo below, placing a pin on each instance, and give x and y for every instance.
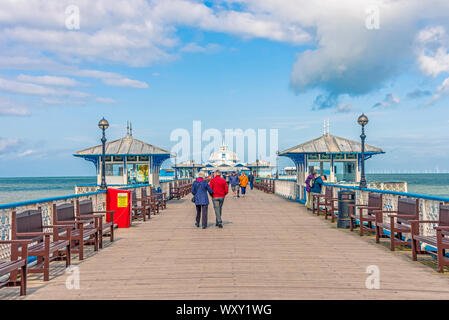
(122, 155)
(31, 202)
(404, 194)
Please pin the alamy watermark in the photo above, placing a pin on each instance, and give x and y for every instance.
(372, 19)
(73, 280)
(249, 144)
(373, 280)
(72, 20)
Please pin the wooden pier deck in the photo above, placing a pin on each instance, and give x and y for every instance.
(269, 248)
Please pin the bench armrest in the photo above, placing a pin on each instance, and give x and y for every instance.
(401, 215)
(445, 228)
(22, 242)
(59, 226)
(33, 234)
(88, 216)
(424, 221)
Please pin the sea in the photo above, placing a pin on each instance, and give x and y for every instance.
(24, 189)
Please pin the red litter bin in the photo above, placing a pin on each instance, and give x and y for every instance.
(120, 202)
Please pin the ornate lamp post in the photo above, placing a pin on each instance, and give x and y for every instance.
(363, 121)
(103, 125)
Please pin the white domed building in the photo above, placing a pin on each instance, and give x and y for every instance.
(224, 160)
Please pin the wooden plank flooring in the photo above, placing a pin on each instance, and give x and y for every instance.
(269, 248)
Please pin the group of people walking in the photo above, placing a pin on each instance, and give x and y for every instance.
(217, 186)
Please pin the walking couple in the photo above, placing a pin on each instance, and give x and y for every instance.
(218, 189)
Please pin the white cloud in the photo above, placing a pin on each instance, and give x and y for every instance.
(343, 108)
(105, 100)
(441, 92)
(8, 145)
(49, 80)
(125, 82)
(432, 48)
(10, 108)
(62, 102)
(196, 48)
(343, 56)
(389, 100)
(38, 90)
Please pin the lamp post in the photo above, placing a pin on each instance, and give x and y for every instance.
(176, 169)
(277, 165)
(103, 125)
(363, 121)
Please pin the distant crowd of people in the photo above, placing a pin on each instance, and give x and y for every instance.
(217, 185)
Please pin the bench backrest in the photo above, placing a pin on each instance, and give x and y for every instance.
(328, 192)
(27, 221)
(408, 207)
(85, 207)
(374, 201)
(443, 216)
(64, 212)
(134, 198)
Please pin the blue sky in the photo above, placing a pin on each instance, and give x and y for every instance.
(231, 64)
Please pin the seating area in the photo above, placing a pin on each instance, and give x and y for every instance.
(75, 225)
(402, 227)
(180, 189)
(265, 185)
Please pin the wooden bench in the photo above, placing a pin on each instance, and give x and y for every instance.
(151, 202)
(82, 231)
(440, 240)
(175, 193)
(85, 208)
(15, 265)
(139, 210)
(327, 201)
(161, 198)
(408, 210)
(28, 225)
(366, 213)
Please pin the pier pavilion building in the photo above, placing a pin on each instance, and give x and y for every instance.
(338, 158)
(224, 160)
(263, 168)
(187, 169)
(128, 161)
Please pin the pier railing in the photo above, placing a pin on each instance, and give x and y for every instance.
(391, 192)
(428, 204)
(86, 192)
(98, 199)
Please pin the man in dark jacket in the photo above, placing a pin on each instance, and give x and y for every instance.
(234, 181)
(251, 180)
(220, 190)
(200, 188)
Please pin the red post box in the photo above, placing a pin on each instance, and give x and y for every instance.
(120, 202)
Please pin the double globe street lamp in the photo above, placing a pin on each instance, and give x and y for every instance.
(103, 125)
(363, 121)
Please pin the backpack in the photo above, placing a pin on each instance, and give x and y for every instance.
(311, 182)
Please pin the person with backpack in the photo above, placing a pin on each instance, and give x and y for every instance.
(309, 184)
